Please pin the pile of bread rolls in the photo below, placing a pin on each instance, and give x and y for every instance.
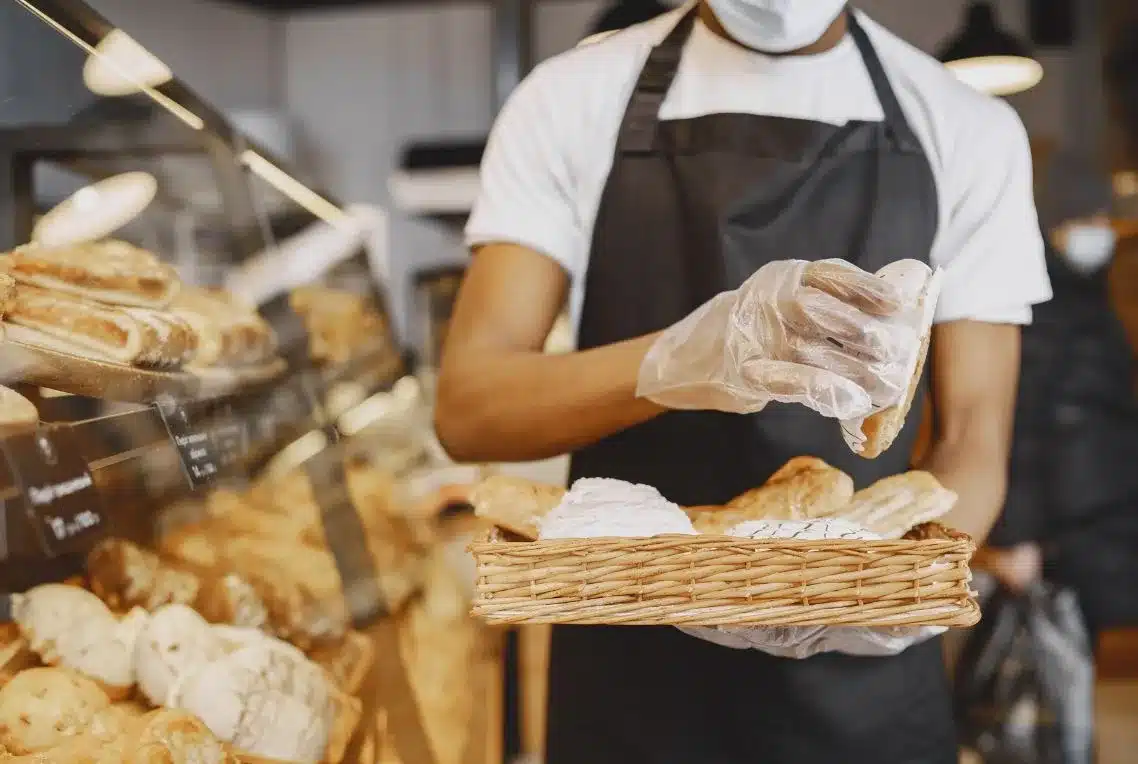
(258, 558)
(84, 683)
(805, 488)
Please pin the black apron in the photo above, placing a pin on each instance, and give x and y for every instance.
(693, 207)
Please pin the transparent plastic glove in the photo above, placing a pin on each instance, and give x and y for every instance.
(804, 641)
(827, 335)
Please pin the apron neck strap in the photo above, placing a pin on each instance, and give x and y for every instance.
(895, 122)
(638, 130)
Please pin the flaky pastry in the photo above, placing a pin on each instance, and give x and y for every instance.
(111, 272)
(515, 504)
(802, 489)
(894, 504)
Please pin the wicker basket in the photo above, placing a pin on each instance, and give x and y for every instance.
(721, 580)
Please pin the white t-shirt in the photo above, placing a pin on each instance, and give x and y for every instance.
(551, 150)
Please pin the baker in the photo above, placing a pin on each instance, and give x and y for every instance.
(639, 176)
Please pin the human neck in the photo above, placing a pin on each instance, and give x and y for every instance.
(829, 39)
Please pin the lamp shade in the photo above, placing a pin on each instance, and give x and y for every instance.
(988, 57)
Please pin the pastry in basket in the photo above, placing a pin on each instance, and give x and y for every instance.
(894, 504)
(17, 413)
(515, 504)
(61, 322)
(804, 488)
(112, 272)
(933, 531)
(230, 333)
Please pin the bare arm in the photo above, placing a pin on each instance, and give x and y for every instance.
(975, 368)
(500, 398)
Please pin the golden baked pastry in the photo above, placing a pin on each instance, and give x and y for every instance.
(41, 707)
(230, 333)
(124, 575)
(339, 323)
(346, 661)
(112, 272)
(65, 323)
(515, 504)
(7, 292)
(933, 531)
(802, 489)
(894, 504)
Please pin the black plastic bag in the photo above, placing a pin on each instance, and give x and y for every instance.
(1024, 685)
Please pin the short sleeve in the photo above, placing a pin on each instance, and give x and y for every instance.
(991, 246)
(526, 185)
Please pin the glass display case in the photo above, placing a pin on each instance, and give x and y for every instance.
(115, 176)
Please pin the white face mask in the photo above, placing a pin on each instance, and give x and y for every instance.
(1089, 246)
(776, 26)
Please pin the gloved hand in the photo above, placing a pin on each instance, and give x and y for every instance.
(827, 335)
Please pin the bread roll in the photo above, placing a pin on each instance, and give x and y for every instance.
(41, 707)
(175, 640)
(262, 700)
(69, 626)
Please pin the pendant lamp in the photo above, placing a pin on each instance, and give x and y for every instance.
(988, 57)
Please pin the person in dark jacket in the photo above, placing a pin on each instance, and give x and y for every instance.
(1071, 511)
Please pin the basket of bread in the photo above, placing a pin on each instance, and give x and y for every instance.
(802, 550)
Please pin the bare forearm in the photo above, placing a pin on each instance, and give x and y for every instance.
(978, 475)
(521, 406)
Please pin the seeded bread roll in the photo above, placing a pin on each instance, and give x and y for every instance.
(41, 707)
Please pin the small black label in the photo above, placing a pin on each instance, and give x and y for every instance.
(194, 444)
(59, 493)
(346, 537)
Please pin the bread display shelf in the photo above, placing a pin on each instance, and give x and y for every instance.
(89, 376)
(722, 580)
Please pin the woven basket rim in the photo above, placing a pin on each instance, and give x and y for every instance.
(494, 539)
